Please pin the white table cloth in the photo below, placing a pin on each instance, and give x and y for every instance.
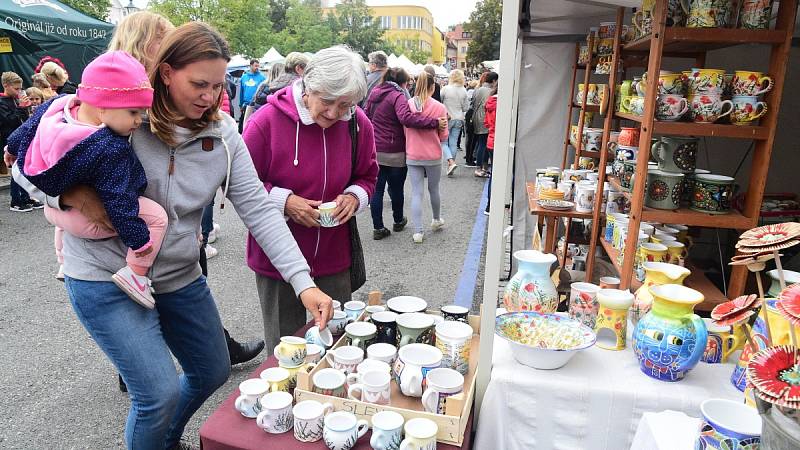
(667, 430)
(594, 402)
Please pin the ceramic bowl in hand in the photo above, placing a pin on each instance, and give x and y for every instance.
(543, 341)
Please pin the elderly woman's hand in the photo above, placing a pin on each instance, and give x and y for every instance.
(85, 199)
(319, 304)
(302, 210)
(346, 206)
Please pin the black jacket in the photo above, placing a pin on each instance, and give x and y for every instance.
(68, 88)
(11, 117)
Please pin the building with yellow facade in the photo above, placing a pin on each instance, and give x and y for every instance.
(409, 27)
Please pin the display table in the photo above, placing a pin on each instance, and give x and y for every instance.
(227, 429)
(667, 430)
(594, 402)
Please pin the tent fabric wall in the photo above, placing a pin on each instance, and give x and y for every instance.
(544, 88)
(62, 32)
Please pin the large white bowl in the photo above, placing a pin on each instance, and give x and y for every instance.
(543, 341)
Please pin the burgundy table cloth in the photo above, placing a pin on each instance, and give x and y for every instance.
(227, 429)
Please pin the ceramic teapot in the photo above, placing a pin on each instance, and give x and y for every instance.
(656, 274)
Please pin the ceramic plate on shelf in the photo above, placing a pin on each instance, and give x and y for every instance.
(556, 205)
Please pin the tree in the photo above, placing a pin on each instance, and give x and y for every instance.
(484, 24)
(356, 27)
(305, 29)
(278, 10)
(94, 8)
(244, 23)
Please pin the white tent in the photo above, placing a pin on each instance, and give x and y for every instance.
(271, 56)
(440, 71)
(238, 62)
(391, 61)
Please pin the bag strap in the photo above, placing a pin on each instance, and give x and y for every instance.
(353, 146)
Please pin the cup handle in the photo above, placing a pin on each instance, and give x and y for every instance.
(429, 406)
(352, 378)
(685, 6)
(655, 150)
(355, 342)
(730, 109)
(404, 340)
(276, 352)
(768, 80)
(238, 403)
(362, 426)
(263, 420)
(411, 384)
(734, 344)
(761, 109)
(354, 388)
(698, 348)
(407, 445)
(327, 408)
(329, 356)
(685, 107)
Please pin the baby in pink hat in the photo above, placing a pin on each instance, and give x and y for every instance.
(83, 139)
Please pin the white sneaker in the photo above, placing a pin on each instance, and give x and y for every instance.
(418, 238)
(212, 235)
(60, 274)
(437, 224)
(136, 286)
(211, 252)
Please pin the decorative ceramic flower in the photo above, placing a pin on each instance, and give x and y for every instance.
(751, 258)
(789, 304)
(769, 235)
(774, 376)
(735, 311)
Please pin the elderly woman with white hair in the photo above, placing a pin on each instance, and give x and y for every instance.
(302, 143)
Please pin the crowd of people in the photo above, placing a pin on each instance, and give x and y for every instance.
(128, 163)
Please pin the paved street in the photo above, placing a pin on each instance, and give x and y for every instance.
(60, 392)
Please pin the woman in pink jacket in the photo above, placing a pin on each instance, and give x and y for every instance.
(424, 155)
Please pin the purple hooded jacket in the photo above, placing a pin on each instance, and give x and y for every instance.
(387, 108)
(314, 163)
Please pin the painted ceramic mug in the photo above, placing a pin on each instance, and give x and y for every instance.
(755, 14)
(586, 163)
(706, 81)
(583, 304)
(249, 401)
(386, 324)
(454, 339)
(387, 430)
(676, 253)
(329, 382)
(276, 416)
(728, 425)
(345, 358)
(277, 378)
(382, 352)
(584, 197)
(749, 83)
(670, 107)
(342, 430)
(455, 313)
(291, 351)
(663, 189)
(309, 416)
(361, 334)
(652, 252)
(327, 217)
(675, 153)
(721, 343)
(626, 177)
(323, 338)
(414, 361)
(407, 304)
(370, 387)
(420, 435)
(707, 13)
(293, 371)
(414, 328)
(747, 109)
(337, 323)
(712, 194)
(634, 104)
(442, 383)
(708, 108)
(354, 308)
(628, 136)
(672, 84)
(593, 141)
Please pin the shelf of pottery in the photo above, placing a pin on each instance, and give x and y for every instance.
(657, 125)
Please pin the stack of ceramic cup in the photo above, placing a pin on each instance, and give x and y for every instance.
(671, 103)
(706, 88)
(746, 87)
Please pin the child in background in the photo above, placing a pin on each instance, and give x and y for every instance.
(35, 96)
(13, 112)
(489, 121)
(83, 139)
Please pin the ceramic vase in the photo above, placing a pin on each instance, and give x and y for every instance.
(670, 339)
(655, 274)
(531, 288)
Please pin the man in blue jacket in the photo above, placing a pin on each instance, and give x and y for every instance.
(249, 84)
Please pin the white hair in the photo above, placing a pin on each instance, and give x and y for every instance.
(336, 72)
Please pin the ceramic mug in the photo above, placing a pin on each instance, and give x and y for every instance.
(441, 383)
(755, 14)
(337, 323)
(633, 104)
(708, 108)
(747, 109)
(712, 194)
(663, 189)
(609, 283)
(342, 430)
(369, 365)
(626, 177)
(584, 197)
(329, 381)
(675, 153)
(583, 302)
(707, 13)
(323, 338)
(728, 424)
(721, 343)
(414, 328)
(670, 108)
(276, 415)
(309, 416)
(612, 318)
(593, 141)
(314, 353)
(361, 334)
(370, 387)
(277, 378)
(354, 308)
(586, 163)
(345, 358)
(386, 324)
(382, 352)
(420, 435)
(617, 203)
(706, 81)
(327, 218)
(293, 371)
(336, 305)
(406, 304)
(652, 252)
(455, 312)
(412, 365)
(454, 339)
(672, 84)
(291, 351)
(249, 401)
(626, 153)
(623, 106)
(372, 309)
(629, 137)
(688, 184)
(387, 430)
(676, 253)
(747, 83)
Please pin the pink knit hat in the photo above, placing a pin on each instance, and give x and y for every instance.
(115, 80)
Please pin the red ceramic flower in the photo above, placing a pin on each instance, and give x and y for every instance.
(769, 235)
(772, 373)
(789, 304)
(735, 311)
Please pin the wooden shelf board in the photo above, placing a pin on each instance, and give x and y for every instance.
(694, 40)
(535, 209)
(702, 129)
(589, 108)
(595, 155)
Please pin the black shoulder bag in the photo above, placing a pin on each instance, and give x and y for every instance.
(358, 269)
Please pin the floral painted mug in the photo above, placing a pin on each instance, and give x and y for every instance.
(747, 109)
(671, 107)
(708, 108)
(751, 83)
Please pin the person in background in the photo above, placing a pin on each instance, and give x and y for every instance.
(490, 122)
(295, 65)
(454, 98)
(301, 144)
(40, 82)
(437, 90)
(263, 91)
(481, 132)
(249, 83)
(35, 96)
(387, 108)
(378, 65)
(469, 154)
(424, 156)
(58, 78)
(13, 112)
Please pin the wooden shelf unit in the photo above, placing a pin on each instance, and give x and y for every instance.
(535, 209)
(694, 40)
(702, 129)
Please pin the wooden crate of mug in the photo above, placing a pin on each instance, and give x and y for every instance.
(458, 407)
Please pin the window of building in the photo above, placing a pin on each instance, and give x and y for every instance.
(464, 49)
(386, 22)
(466, 35)
(463, 65)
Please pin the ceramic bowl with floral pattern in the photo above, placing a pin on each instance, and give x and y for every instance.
(543, 341)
